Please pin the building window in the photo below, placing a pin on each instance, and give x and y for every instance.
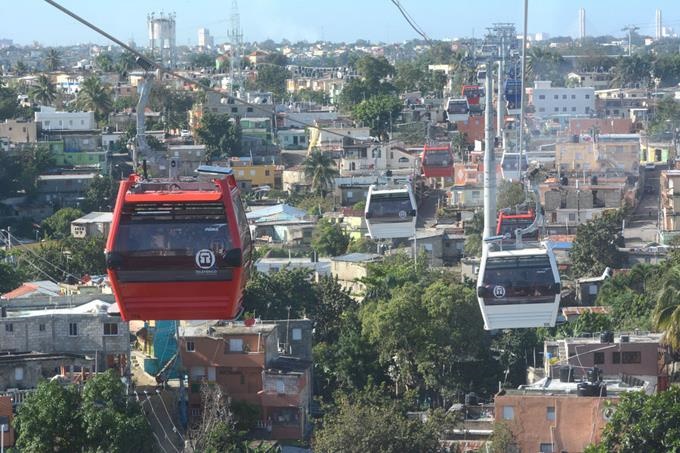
(556, 97)
(541, 109)
(19, 374)
(280, 386)
(9, 327)
(564, 96)
(73, 329)
(541, 96)
(234, 110)
(111, 328)
(598, 358)
(550, 413)
(573, 96)
(616, 357)
(557, 109)
(508, 412)
(631, 357)
(266, 172)
(195, 412)
(252, 172)
(546, 448)
(41, 327)
(573, 109)
(297, 334)
(572, 217)
(235, 345)
(249, 110)
(190, 346)
(587, 96)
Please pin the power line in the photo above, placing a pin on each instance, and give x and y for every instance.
(410, 21)
(157, 66)
(172, 444)
(44, 260)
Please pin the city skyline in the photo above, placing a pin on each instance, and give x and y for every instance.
(312, 21)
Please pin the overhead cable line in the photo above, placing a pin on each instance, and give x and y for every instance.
(147, 63)
(411, 21)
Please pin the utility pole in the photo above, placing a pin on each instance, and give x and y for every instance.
(630, 29)
(520, 140)
(500, 114)
(489, 161)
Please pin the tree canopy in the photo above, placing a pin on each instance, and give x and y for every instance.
(329, 239)
(596, 245)
(220, 135)
(58, 418)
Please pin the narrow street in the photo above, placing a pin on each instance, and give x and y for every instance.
(641, 227)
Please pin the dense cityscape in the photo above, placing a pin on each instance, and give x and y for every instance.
(435, 245)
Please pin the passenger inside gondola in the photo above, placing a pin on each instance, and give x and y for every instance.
(437, 158)
(391, 207)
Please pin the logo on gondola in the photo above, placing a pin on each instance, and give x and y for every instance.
(402, 214)
(205, 259)
(498, 291)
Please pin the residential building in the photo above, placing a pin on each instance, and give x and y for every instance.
(367, 158)
(276, 213)
(31, 289)
(75, 149)
(92, 225)
(318, 268)
(550, 101)
(621, 102)
(598, 80)
(669, 221)
(19, 131)
(68, 83)
(24, 370)
(251, 175)
(49, 119)
(292, 138)
(331, 138)
(217, 104)
(63, 190)
(608, 153)
(550, 417)
(254, 364)
(297, 119)
(6, 418)
(640, 355)
(351, 268)
(182, 159)
(595, 126)
(352, 221)
(83, 330)
(467, 191)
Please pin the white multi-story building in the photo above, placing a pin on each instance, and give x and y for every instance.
(48, 118)
(551, 101)
(205, 41)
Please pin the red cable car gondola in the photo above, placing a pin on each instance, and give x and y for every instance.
(437, 161)
(179, 248)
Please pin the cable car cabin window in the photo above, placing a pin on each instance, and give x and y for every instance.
(508, 226)
(437, 159)
(244, 230)
(518, 280)
(457, 108)
(391, 207)
(173, 242)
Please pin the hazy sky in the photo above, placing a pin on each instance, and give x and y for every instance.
(25, 21)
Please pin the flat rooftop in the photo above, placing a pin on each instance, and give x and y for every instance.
(548, 386)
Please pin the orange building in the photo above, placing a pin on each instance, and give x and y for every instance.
(249, 364)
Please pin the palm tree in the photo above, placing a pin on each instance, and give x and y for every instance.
(44, 91)
(94, 96)
(52, 59)
(320, 168)
(666, 315)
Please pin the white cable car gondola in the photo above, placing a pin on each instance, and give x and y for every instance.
(457, 109)
(513, 165)
(518, 288)
(391, 212)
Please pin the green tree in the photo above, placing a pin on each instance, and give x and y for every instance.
(94, 96)
(473, 235)
(49, 420)
(220, 135)
(369, 421)
(596, 245)
(111, 422)
(320, 168)
(10, 277)
(502, 439)
(379, 112)
(58, 225)
(632, 71)
(52, 59)
(43, 92)
(362, 245)
(269, 296)
(422, 334)
(666, 314)
(277, 58)
(126, 61)
(332, 301)
(271, 77)
(329, 239)
(510, 194)
(641, 422)
(202, 60)
(631, 296)
(8, 102)
(104, 62)
(21, 68)
(100, 195)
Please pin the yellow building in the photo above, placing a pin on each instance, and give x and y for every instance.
(251, 175)
(611, 152)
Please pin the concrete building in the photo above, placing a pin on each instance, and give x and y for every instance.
(19, 131)
(669, 220)
(548, 416)
(92, 224)
(550, 101)
(254, 364)
(596, 80)
(609, 153)
(621, 102)
(6, 418)
(63, 190)
(80, 332)
(205, 40)
(49, 119)
(319, 268)
(351, 268)
(250, 175)
(639, 355)
(292, 138)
